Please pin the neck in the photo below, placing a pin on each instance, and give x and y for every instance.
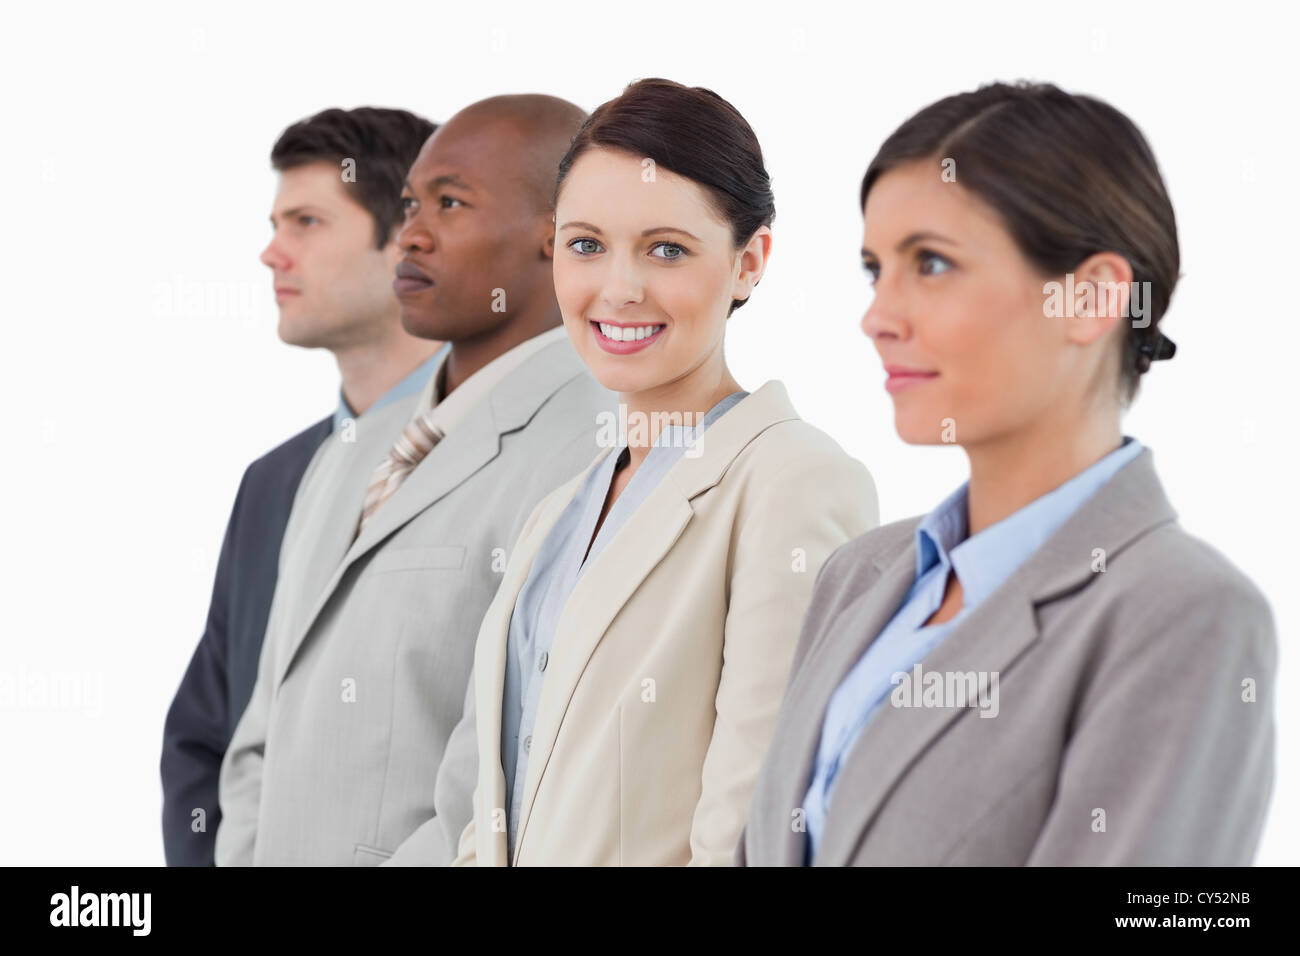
(691, 396)
(468, 355)
(370, 369)
(1012, 470)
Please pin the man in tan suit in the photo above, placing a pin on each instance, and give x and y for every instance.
(397, 541)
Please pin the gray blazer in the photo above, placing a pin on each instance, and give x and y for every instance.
(369, 645)
(1126, 731)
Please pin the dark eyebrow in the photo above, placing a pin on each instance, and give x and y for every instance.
(447, 179)
(647, 232)
(912, 240)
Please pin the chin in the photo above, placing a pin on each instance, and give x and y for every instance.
(296, 333)
(618, 381)
(423, 324)
(619, 374)
(920, 429)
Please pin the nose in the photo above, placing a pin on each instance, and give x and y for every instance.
(274, 256)
(886, 315)
(621, 283)
(414, 236)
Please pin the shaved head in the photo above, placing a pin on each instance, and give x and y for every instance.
(532, 131)
(479, 229)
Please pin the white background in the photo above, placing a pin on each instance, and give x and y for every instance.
(141, 370)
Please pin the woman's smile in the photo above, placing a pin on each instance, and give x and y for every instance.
(621, 338)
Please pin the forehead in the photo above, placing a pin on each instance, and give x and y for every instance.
(916, 196)
(484, 155)
(319, 184)
(614, 188)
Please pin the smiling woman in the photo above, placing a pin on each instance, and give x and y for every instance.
(630, 669)
(646, 266)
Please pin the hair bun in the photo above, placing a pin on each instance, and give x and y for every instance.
(1162, 347)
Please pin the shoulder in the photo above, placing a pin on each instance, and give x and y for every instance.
(576, 404)
(858, 558)
(792, 476)
(792, 455)
(1170, 574)
(291, 455)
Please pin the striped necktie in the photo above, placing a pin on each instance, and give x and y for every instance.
(414, 445)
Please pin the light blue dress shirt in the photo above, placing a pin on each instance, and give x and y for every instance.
(982, 563)
(551, 579)
(407, 386)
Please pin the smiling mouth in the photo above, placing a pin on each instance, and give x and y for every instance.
(627, 333)
(625, 339)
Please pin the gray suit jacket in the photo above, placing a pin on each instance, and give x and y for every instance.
(1125, 732)
(369, 646)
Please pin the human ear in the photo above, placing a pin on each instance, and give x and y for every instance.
(548, 238)
(752, 261)
(1102, 288)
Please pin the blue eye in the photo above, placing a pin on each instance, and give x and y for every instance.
(584, 252)
(307, 220)
(681, 251)
(929, 259)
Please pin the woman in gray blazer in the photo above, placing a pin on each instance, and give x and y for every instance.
(1023, 251)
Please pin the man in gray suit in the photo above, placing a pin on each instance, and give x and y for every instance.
(397, 541)
(1128, 673)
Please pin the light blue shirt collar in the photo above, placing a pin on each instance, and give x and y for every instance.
(410, 385)
(983, 561)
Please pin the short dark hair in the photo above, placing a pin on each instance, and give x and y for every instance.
(382, 142)
(695, 133)
(1070, 176)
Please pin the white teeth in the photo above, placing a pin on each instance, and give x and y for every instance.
(629, 333)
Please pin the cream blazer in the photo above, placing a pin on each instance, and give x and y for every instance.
(670, 659)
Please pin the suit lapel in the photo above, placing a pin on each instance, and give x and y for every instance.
(472, 443)
(491, 649)
(994, 635)
(342, 486)
(992, 638)
(883, 592)
(629, 557)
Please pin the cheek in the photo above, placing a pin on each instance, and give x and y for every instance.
(339, 263)
(573, 286)
(361, 273)
(979, 332)
(691, 295)
(993, 347)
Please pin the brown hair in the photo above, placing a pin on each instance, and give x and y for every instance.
(383, 143)
(1070, 176)
(694, 133)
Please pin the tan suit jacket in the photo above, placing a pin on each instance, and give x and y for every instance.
(670, 657)
(367, 657)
